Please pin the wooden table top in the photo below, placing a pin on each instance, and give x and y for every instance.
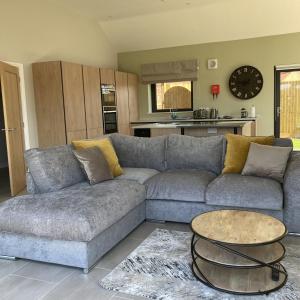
(238, 227)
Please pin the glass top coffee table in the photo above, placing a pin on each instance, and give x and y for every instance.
(238, 251)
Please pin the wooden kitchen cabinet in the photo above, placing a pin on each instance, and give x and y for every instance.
(133, 82)
(74, 101)
(49, 103)
(92, 95)
(122, 102)
(107, 76)
(60, 102)
(68, 101)
(127, 100)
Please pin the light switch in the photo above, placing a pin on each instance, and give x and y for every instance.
(212, 63)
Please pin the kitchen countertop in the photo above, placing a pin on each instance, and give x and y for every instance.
(192, 124)
(184, 120)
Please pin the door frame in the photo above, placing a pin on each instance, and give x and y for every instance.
(277, 71)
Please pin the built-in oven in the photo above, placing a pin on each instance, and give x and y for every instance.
(110, 119)
(108, 95)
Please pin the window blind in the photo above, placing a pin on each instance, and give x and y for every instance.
(185, 70)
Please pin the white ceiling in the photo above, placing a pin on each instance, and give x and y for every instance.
(148, 24)
(104, 10)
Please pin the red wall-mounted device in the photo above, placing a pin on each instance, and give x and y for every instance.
(215, 90)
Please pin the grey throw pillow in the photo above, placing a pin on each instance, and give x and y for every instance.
(267, 161)
(94, 164)
(53, 169)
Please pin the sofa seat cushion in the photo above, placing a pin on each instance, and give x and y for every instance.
(141, 175)
(181, 185)
(236, 190)
(77, 213)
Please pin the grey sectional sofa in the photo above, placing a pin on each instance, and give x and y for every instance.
(66, 221)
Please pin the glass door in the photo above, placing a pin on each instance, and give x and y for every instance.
(287, 104)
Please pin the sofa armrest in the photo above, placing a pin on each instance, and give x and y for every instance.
(291, 188)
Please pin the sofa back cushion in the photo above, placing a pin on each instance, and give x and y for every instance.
(203, 153)
(54, 168)
(139, 152)
(283, 142)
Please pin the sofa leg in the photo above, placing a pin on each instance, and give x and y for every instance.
(8, 257)
(87, 270)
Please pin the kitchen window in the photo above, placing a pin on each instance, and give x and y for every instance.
(177, 96)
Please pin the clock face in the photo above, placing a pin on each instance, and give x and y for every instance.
(245, 82)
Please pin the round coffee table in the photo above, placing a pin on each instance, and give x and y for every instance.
(238, 251)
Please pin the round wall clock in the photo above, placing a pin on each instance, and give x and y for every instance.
(245, 82)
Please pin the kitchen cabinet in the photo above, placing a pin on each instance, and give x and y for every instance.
(65, 93)
(68, 101)
(72, 80)
(122, 102)
(107, 76)
(133, 83)
(164, 131)
(92, 95)
(49, 103)
(127, 100)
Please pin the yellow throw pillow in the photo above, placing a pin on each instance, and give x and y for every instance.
(238, 148)
(106, 148)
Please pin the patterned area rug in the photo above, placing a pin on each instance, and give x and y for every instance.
(160, 268)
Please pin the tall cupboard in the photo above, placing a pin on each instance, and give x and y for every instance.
(127, 100)
(73, 95)
(122, 103)
(60, 103)
(92, 95)
(68, 101)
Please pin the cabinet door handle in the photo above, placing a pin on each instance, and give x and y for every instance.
(8, 129)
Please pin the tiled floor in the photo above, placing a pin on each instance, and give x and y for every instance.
(27, 280)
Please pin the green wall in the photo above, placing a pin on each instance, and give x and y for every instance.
(263, 53)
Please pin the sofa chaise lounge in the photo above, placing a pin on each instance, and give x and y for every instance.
(67, 221)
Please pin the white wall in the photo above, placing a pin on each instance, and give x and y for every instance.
(35, 30)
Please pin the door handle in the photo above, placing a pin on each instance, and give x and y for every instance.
(8, 129)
